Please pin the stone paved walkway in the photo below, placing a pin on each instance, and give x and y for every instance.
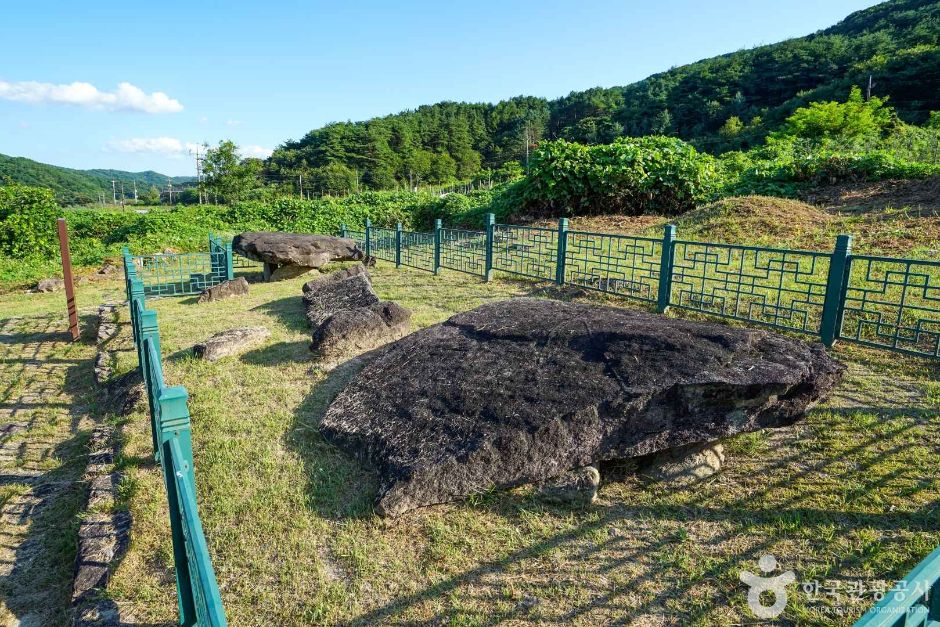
(43, 430)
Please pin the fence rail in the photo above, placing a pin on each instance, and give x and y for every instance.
(198, 595)
(881, 302)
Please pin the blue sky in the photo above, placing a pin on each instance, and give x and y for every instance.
(157, 78)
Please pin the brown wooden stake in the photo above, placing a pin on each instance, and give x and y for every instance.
(67, 275)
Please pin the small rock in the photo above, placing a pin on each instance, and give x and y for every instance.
(108, 269)
(575, 488)
(685, 465)
(103, 366)
(106, 331)
(230, 342)
(225, 289)
(50, 285)
(528, 603)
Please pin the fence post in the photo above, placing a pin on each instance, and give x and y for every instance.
(437, 245)
(490, 231)
(136, 305)
(128, 270)
(835, 284)
(665, 268)
(150, 331)
(229, 262)
(368, 239)
(175, 424)
(342, 230)
(562, 251)
(398, 244)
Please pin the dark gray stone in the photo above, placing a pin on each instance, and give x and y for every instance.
(335, 292)
(352, 331)
(230, 342)
(225, 289)
(521, 391)
(280, 250)
(340, 275)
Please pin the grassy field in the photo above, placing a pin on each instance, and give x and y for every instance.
(845, 497)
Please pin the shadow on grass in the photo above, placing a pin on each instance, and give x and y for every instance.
(289, 311)
(686, 582)
(278, 353)
(338, 487)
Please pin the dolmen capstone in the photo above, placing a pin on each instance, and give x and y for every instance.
(288, 255)
(348, 317)
(523, 390)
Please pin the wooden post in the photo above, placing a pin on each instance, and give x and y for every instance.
(69, 280)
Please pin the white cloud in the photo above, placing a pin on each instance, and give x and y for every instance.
(233, 123)
(167, 146)
(259, 152)
(173, 147)
(126, 97)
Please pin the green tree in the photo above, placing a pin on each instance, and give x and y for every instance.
(228, 177)
(333, 179)
(27, 221)
(151, 196)
(732, 127)
(851, 119)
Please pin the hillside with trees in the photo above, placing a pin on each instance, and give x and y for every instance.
(77, 187)
(730, 102)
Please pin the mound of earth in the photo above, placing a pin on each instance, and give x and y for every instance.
(521, 391)
(757, 219)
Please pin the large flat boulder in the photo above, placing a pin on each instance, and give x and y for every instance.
(287, 255)
(521, 391)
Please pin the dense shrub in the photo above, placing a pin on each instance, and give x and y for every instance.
(27, 221)
(631, 176)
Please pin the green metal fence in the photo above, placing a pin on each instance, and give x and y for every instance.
(913, 602)
(179, 274)
(876, 301)
(198, 595)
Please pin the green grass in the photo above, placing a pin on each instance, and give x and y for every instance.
(846, 495)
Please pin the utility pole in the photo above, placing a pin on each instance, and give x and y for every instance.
(199, 175)
(113, 193)
(122, 194)
(135, 190)
(526, 146)
(300, 185)
(169, 189)
(868, 90)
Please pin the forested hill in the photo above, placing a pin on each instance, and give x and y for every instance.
(80, 186)
(723, 103)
